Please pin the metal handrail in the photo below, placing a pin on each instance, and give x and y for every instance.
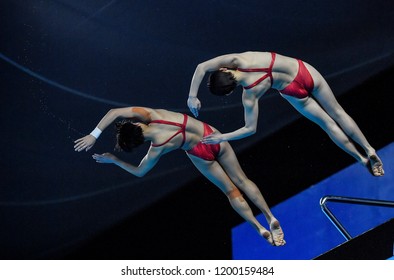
(348, 200)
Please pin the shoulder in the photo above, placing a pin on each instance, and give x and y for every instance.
(251, 58)
(143, 111)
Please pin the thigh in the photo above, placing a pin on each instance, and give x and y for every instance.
(229, 161)
(323, 93)
(310, 109)
(214, 172)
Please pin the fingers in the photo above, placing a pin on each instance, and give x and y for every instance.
(214, 138)
(77, 143)
(198, 106)
(195, 112)
(194, 106)
(98, 158)
(79, 147)
(209, 140)
(88, 148)
(82, 146)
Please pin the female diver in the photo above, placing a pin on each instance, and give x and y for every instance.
(298, 82)
(168, 131)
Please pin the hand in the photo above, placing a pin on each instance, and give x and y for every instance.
(84, 143)
(214, 138)
(194, 105)
(104, 158)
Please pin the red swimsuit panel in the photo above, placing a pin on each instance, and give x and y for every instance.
(302, 85)
(205, 151)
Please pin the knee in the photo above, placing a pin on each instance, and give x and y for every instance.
(241, 181)
(234, 193)
(330, 126)
(338, 114)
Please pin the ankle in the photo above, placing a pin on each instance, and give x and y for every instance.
(371, 152)
(274, 223)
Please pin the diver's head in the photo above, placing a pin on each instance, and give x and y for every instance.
(222, 82)
(128, 135)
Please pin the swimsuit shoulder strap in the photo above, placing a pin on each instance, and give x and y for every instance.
(182, 130)
(166, 122)
(268, 71)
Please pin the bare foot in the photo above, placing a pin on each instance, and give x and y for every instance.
(375, 166)
(277, 233)
(267, 236)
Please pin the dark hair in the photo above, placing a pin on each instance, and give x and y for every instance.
(221, 83)
(128, 136)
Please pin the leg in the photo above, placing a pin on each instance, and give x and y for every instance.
(215, 173)
(314, 112)
(325, 97)
(229, 162)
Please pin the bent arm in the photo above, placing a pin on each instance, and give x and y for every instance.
(87, 142)
(251, 113)
(146, 164)
(127, 112)
(228, 60)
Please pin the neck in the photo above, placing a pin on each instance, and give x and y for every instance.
(146, 131)
(239, 76)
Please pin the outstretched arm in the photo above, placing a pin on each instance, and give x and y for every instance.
(229, 60)
(146, 164)
(87, 142)
(251, 113)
